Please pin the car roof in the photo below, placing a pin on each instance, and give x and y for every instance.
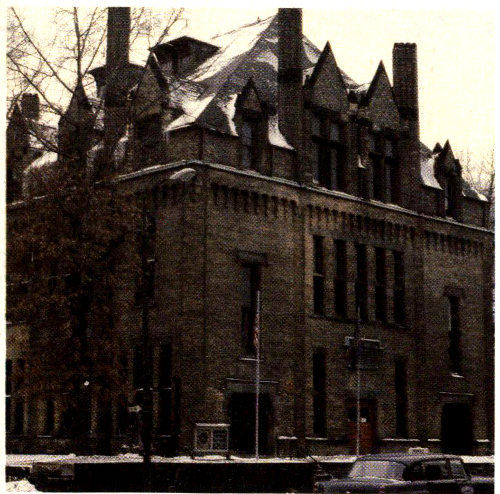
(407, 458)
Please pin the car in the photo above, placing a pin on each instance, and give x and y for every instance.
(422, 473)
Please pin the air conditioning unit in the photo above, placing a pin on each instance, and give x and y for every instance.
(211, 439)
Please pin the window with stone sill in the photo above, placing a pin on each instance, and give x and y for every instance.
(329, 153)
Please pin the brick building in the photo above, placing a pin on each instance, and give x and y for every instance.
(317, 192)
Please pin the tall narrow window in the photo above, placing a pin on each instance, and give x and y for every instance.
(19, 418)
(49, 417)
(8, 393)
(340, 283)
(165, 389)
(399, 288)
(319, 397)
(361, 282)
(380, 285)
(454, 335)
(122, 415)
(250, 287)
(401, 385)
(248, 142)
(392, 172)
(138, 367)
(318, 276)
(328, 153)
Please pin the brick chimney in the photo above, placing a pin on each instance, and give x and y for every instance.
(290, 50)
(405, 84)
(117, 53)
(30, 106)
(117, 80)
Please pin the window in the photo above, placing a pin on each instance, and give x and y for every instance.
(383, 157)
(454, 335)
(328, 153)
(319, 396)
(361, 282)
(401, 387)
(19, 418)
(380, 285)
(318, 276)
(449, 190)
(147, 279)
(249, 143)
(250, 287)
(148, 131)
(340, 282)
(369, 353)
(165, 389)
(138, 367)
(122, 415)
(8, 393)
(392, 172)
(49, 417)
(399, 291)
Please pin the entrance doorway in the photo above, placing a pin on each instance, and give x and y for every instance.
(241, 411)
(368, 426)
(456, 429)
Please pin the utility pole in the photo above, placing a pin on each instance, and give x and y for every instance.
(357, 344)
(147, 399)
(256, 339)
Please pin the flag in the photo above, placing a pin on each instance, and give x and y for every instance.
(256, 325)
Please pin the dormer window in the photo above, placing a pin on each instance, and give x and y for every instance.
(382, 151)
(328, 156)
(449, 191)
(249, 143)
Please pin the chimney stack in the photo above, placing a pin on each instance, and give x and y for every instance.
(290, 75)
(404, 67)
(405, 84)
(30, 106)
(117, 57)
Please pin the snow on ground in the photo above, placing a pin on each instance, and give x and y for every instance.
(20, 486)
(28, 460)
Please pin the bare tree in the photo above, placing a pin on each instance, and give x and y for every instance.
(72, 232)
(480, 174)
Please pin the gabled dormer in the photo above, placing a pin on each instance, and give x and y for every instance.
(325, 88)
(380, 101)
(448, 173)
(182, 55)
(251, 122)
(76, 126)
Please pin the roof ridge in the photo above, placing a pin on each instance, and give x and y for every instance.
(258, 21)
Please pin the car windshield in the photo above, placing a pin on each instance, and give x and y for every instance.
(377, 469)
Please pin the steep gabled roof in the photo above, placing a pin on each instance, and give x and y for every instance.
(206, 96)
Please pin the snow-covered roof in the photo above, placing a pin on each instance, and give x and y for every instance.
(428, 161)
(207, 96)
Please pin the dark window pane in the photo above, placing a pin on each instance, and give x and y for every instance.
(165, 411)
(138, 367)
(165, 370)
(334, 132)
(318, 254)
(341, 297)
(319, 397)
(19, 418)
(401, 398)
(319, 294)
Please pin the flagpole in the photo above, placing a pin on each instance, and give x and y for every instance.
(256, 336)
(358, 386)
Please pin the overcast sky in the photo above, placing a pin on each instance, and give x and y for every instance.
(456, 57)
